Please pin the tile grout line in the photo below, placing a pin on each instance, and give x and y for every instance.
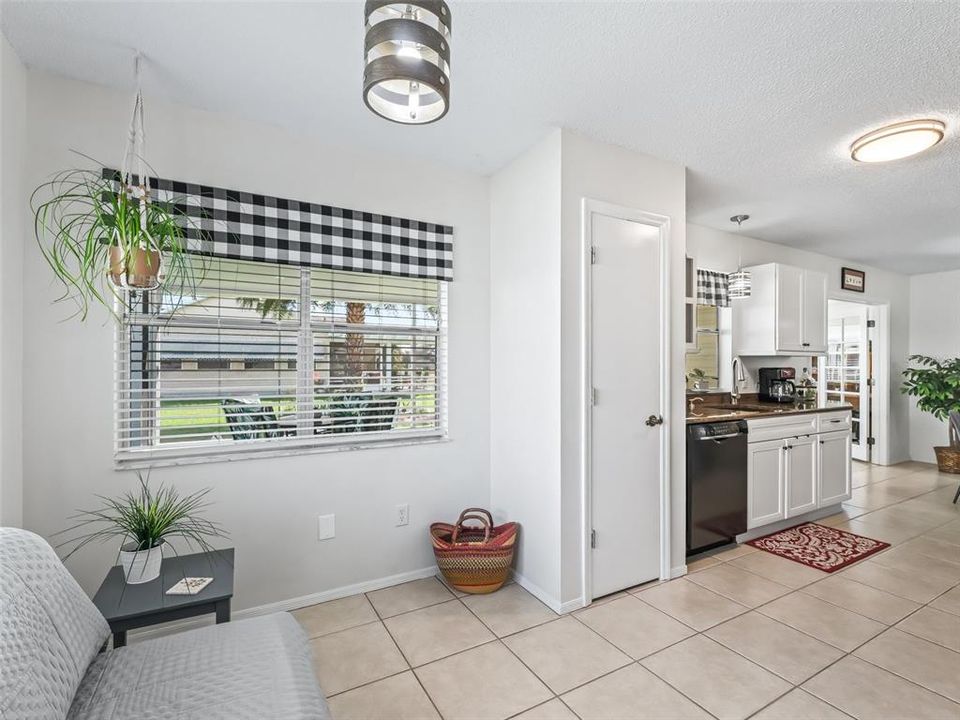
(404, 655)
(519, 659)
(851, 653)
(638, 595)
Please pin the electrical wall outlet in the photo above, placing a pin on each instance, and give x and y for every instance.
(403, 515)
(326, 527)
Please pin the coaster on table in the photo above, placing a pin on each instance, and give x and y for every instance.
(190, 586)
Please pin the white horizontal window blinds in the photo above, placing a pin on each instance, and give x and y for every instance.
(378, 353)
(264, 355)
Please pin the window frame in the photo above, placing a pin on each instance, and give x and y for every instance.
(700, 330)
(305, 441)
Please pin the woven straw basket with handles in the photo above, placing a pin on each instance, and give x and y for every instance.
(474, 558)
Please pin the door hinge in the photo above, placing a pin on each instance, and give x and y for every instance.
(593, 539)
(593, 396)
(871, 441)
(593, 254)
(871, 382)
(871, 323)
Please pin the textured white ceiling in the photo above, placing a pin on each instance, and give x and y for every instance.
(759, 100)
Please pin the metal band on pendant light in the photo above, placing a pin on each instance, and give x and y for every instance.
(406, 77)
(739, 283)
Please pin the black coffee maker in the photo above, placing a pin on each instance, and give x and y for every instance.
(776, 384)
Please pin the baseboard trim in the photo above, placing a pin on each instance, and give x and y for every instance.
(789, 522)
(543, 596)
(677, 571)
(294, 603)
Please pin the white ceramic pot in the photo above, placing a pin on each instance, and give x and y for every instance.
(140, 566)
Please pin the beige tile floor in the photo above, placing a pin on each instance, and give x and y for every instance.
(744, 634)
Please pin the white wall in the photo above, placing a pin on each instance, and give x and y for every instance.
(718, 250)
(622, 177)
(524, 364)
(270, 506)
(934, 330)
(536, 273)
(12, 227)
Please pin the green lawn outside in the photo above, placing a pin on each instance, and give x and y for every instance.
(195, 417)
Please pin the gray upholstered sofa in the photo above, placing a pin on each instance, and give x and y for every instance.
(51, 665)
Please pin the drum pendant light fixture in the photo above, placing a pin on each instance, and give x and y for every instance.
(406, 77)
(739, 282)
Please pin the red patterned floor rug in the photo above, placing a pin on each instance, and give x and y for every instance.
(818, 546)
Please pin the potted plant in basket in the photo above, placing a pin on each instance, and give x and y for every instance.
(145, 521)
(936, 385)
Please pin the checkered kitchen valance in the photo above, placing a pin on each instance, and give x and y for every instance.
(713, 288)
(249, 226)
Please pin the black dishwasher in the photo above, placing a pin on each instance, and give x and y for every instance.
(716, 484)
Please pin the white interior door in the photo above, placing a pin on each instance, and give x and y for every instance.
(625, 354)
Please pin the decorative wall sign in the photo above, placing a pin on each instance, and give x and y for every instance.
(249, 226)
(854, 280)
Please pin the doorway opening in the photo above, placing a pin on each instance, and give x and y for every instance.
(855, 371)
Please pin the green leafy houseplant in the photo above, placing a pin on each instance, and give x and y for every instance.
(936, 385)
(145, 520)
(98, 240)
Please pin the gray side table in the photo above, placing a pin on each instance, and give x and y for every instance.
(133, 606)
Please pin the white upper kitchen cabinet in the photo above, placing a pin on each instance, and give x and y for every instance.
(786, 313)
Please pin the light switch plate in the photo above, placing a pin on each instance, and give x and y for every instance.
(326, 527)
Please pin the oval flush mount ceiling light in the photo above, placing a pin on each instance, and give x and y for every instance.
(897, 141)
(407, 54)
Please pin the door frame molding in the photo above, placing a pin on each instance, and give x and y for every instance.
(590, 207)
(878, 310)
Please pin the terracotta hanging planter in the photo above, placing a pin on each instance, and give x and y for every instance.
(140, 269)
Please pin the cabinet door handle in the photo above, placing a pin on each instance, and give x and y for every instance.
(806, 344)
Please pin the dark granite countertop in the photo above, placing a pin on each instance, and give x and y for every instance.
(720, 409)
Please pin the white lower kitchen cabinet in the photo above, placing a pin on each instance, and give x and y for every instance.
(792, 471)
(834, 459)
(765, 473)
(800, 476)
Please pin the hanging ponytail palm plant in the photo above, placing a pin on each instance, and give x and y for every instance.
(103, 241)
(105, 235)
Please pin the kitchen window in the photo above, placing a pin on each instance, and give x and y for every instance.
(703, 364)
(262, 357)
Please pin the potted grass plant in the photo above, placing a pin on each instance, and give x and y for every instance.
(936, 385)
(144, 522)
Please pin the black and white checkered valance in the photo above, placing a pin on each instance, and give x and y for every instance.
(249, 226)
(712, 288)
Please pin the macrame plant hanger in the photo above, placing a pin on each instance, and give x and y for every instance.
(137, 186)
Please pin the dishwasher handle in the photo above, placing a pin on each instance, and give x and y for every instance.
(720, 437)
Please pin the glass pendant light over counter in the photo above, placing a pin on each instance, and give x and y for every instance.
(739, 285)
(407, 54)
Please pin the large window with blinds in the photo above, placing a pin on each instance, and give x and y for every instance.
(259, 356)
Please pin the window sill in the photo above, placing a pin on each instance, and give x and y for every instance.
(146, 459)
